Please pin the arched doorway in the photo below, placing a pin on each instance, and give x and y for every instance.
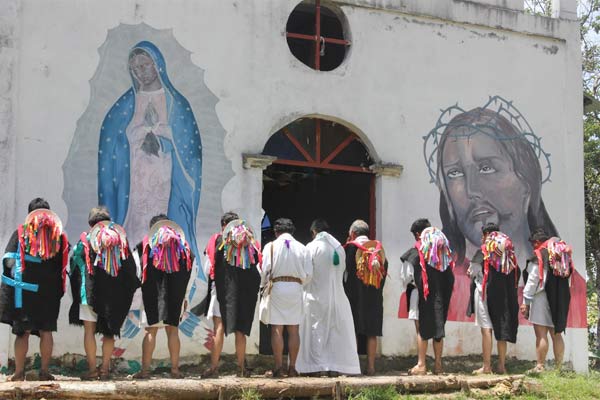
(321, 171)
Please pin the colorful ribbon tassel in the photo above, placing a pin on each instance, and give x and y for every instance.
(112, 250)
(41, 236)
(240, 248)
(167, 248)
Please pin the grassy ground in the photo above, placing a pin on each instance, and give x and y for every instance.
(548, 386)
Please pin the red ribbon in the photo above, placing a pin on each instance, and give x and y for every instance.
(65, 259)
(145, 251)
(211, 252)
(423, 270)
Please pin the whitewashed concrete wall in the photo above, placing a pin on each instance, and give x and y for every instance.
(9, 67)
(408, 60)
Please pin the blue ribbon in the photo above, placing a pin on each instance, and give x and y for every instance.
(17, 282)
(78, 258)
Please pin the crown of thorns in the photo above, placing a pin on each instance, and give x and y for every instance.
(502, 108)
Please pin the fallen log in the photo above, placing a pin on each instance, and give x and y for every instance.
(230, 387)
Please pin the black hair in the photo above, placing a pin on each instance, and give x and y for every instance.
(539, 235)
(228, 217)
(419, 226)
(37, 203)
(319, 225)
(284, 225)
(489, 228)
(156, 218)
(98, 214)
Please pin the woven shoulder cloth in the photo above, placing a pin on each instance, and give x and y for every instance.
(498, 253)
(109, 242)
(240, 247)
(434, 251)
(560, 258)
(370, 262)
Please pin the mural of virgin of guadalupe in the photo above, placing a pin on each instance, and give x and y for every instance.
(486, 164)
(150, 152)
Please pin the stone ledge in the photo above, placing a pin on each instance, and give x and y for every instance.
(257, 160)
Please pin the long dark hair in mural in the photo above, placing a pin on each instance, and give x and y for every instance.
(150, 151)
(489, 166)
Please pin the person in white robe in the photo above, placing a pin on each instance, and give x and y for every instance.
(286, 268)
(536, 307)
(327, 340)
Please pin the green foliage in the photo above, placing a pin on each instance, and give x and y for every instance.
(555, 385)
(539, 7)
(374, 393)
(249, 394)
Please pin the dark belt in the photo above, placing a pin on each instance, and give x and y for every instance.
(287, 279)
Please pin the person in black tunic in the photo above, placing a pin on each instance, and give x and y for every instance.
(33, 283)
(233, 288)
(102, 287)
(494, 299)
(363, 285)
(428, 268)
(165, 282)
(547, 294)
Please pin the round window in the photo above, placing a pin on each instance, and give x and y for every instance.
(315, 35)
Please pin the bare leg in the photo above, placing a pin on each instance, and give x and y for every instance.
(438, 349)
(148, 346)
(174, 347)
(89, 344)
(240, 348)
(486, 349)
(108, 345)
(501, 356)
(21, 347)
(215, 354)
(421, 367)
(277, 345)
(371, 353)
(558, 345)
(541, 346)
(46, 344)
(293, 344)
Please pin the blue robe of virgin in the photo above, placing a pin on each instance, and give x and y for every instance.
(185, 150)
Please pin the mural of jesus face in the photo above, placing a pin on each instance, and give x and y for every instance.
(481, 184)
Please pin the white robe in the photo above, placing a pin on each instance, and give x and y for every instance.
(406, 275)
(482, 317)
(327, 341)
(535, 296)
(291, 259)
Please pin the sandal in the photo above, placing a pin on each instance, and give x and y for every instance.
(143, 374)
(17, 377)
(292, 373)
(104, 375)
(416, 370)
(212, 372)
(45, 376)
(538, 369)
(243, 372)
(176, 375)
(90, 376)
(482, 371)
(275, 373)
